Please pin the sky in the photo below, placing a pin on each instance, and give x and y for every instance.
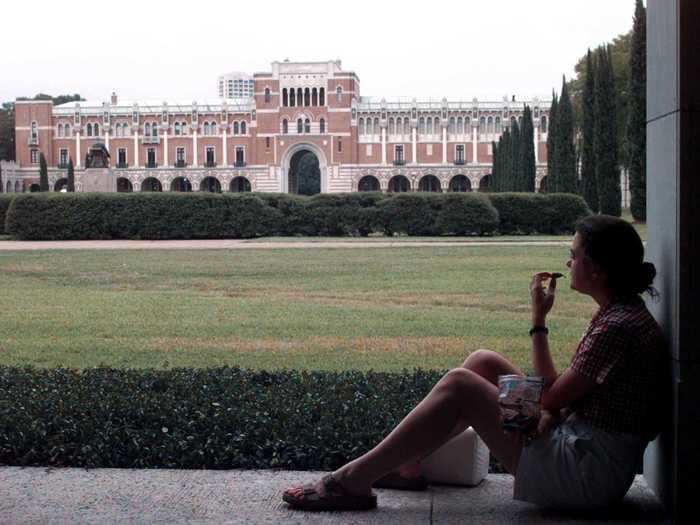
(175, 50)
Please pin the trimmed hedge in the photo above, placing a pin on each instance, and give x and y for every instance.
(197, 216)
(550, 213)
(217, 418)
(5, 200)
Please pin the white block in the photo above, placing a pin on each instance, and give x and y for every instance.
(464, 460)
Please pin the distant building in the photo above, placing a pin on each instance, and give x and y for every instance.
(254, 144)
(236, 85)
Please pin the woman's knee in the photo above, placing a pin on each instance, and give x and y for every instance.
(489, 365)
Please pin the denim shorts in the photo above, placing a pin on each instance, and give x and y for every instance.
(578, 467)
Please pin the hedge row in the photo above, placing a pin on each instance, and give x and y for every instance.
(191, 216)
(219, 418)
(5, 200)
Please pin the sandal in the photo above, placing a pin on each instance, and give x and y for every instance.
(336, 497)
(394, 480)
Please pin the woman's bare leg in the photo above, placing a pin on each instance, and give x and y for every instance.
(489, 365)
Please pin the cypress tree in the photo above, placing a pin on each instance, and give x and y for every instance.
(589, 186)
(70, 176)
(43, 174)
(636, 127)
(565, 150)
(506, 162)
(527, 153)
(605, 136)
(1, 184)
(495, 179)
(552, 146)
(514, 175)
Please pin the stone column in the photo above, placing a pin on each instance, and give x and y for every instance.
(78, 161)
(383, 145)
(475, 127)
(444, 144)
(165, 145)
(224, 146)
(414, 145)
(194, 149)
(536, 134)
(136, 147)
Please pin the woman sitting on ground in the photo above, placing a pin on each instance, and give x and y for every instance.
(598, 415)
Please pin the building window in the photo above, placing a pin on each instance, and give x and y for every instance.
(67, 130)
(151, 158)
(60, 130)
(285, 97)
(89, 130)
(242, 128)
(340, 144)
(451, 126)
(178, 129)
(236, 129)
(210, 156)
(292, 97)
(267, 142)
(482, 126)
(459, 154)
(146, 129)
(240, 156)
(63, 157)
(406, 127)
(35, 132)
(300, 126)
(421, 126)
(285, 127)
(307, 126)
(498, 125)
(543, 124)
(391, 126)
(207, 131)
(121, 158)
(34, 156)
(489, 125)
(96, 130)
(314, 97)
(322, 125)
(398, 154)
(338, 94)
(268, 97)
(180, 156)
(361, 127)
(322, 97)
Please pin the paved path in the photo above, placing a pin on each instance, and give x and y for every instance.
(67, 496)
(236, 244)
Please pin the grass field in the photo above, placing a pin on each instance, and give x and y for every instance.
(331, 309)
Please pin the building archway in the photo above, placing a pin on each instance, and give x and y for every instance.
(210, 185)
(34, 188)
(181, 184)
(240, 185)
(61, 185)
(430, 183)
(151, 184)
(485, 183)
(368, 183)
(124, 185)
(304, 183)
(399, 184)
(460, 184)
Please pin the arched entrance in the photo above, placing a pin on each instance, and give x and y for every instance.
(61, 185)
(151, 184)
(304, 170)
(210, 185)
(485, 183)
(240, 185)
(460, 184)
(430, 183)
(368, 183)
(181, 184)
(124, 185)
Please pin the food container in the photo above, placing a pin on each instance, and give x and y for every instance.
(519, 400)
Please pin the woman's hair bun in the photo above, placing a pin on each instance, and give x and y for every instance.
(647, 273)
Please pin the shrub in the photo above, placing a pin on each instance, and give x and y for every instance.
(466, 213)
(5, 200)
(410, 214)
(207, 418)
(526, 213)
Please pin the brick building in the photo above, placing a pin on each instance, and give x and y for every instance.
(254, 144)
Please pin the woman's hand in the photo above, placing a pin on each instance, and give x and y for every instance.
(547, 422)
(542, 300)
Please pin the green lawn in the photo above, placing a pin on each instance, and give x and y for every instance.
(331, 309)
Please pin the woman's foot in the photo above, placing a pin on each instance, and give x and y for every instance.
(328, 494)
(407, 477)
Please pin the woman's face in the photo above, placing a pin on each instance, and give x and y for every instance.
(582, 271)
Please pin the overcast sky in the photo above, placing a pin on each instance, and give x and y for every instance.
(175, 50)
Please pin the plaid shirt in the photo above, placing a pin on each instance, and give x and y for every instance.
(623, 351)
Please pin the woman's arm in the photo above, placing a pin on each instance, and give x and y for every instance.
(542, 302)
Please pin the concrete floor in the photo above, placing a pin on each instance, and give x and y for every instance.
(39, 495)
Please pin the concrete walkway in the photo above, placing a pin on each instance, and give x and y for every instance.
(38, 495)
(239, 244)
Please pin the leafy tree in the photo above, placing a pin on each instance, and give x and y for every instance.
(526, 161)
(43, 174)
(565, 151)
(552, 174)
(309, 175)
(636, 124)
(70, 175)
(589, 186)
(605, 136)
(7, 131)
